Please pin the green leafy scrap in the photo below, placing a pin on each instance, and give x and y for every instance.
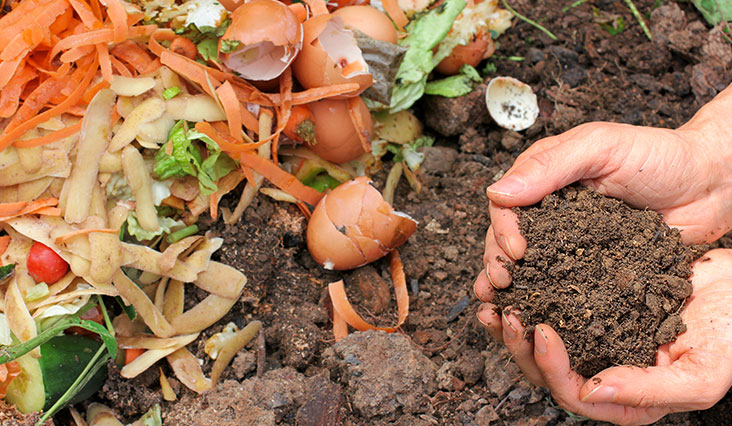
(206, 38)
(228, 46)
(425, 32)
(456, 85)
(182, 156)
(714, 11)
(6, 271)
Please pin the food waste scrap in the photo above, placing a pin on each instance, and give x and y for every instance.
(123, 122)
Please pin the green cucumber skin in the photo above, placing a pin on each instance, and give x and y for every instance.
(62, 360)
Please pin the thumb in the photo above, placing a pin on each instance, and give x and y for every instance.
(686, 384)
(553, 163)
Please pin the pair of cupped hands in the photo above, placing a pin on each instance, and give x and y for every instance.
(684, 174)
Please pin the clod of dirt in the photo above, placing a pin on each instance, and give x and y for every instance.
(384, 373)
(131, 396)
(10, 416)
(324, 404)
(610, 279)
(451, 116)
(259, 401)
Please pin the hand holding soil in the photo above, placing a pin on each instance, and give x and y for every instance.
(679, 173)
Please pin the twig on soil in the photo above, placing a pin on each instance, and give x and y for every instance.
(573, 5)
(261, 354)
(638, 17)
(529, 21)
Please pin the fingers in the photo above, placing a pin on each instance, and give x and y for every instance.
(491, 320)
(522, 351)
(581, 153)
(483, 288)
(506, 229)
(681, 385)
(552, 359)
(494, 260)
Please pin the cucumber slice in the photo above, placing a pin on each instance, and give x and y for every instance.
(43, 381)
(26, 391)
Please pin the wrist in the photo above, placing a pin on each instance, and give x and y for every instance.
(709, 132)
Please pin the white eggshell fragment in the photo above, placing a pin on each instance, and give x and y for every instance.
(511, 103)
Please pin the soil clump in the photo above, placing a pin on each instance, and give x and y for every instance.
(610, 279)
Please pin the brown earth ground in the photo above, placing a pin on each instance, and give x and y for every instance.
(442, 368)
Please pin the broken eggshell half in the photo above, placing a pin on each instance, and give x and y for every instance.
(330, 55)
(353, 225)
(511, 103)
(263, 39)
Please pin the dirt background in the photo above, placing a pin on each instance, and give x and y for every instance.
(442, 368)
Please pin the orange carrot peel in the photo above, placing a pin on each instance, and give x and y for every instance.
(343, 311)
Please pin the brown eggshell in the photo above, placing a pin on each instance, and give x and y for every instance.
(260, 20)
(470, 54)
(314, 68)
(353, 225)
(336, 136)
(370, 21)
(269, 29)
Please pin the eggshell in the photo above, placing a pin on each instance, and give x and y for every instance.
(370, 21)
(353, 225)
(511, 103)
(314, 67)
(270, 37)
(470, 54)
(335, 134)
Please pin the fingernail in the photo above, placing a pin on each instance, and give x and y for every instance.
(510, 185)
(540, 344)
(490, 280)
(484, 307)
(509, 330)
(504, 243)
(600, 394)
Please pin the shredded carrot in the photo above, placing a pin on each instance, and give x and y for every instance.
(359, 124)
(232, 108)
(8, 372)
(9, 137)
(118, 16)
(318, 93)
(120, 67)
(130, 52)
(7, 70)
(131, 354)
(304, 209)
(317, 7)
(395, 13)
(105, 61)
(283, 111)
(189, 69)
(73, 55)
(51, 137)
(300, 114)
(11, 210)
(225, 142)
(184, 46)
(280, 178)
(213, 205)
(10, 96)
(63, 238)
(343, 308)
(4, 243)
(47, 211)
(85, 13)
(249, 175)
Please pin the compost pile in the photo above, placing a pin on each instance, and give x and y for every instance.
(610, 279)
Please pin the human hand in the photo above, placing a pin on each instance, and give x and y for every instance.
(679, 173)
(691, 373)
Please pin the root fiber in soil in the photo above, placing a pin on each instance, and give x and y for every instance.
(610, 279)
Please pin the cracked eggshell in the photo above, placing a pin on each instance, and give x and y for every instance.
(335, 134)
(511, 103)
(370, 21)
(269, 35)
(471, 54)
(353, 225)
(330, 56)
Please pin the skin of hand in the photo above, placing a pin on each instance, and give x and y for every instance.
(691, 373)
(685, 174)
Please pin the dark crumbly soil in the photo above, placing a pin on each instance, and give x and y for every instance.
(585, 75)
(610, 279)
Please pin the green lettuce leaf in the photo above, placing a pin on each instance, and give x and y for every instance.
(456, 85)
(714, 11)
(141, 234)
(425, 32)
(185, 158)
